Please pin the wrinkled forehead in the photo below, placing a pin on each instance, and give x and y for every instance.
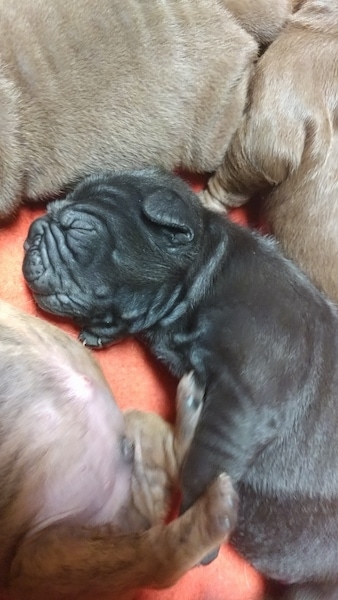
(68, 213)
(106, 190)
(119, 192)
(104, 216)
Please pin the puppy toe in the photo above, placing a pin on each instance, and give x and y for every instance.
(210, 202)
(223, 504)
(89, 339)
(189, 394)
(219, 513)
(216, 198)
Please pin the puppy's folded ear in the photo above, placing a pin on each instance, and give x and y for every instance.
(168, 210)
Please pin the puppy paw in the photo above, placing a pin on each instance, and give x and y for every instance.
(189, 402)
(90, 339)
(220, 512)
(211, 202)
(219, 509)
(189, 395)
(216, 198)
(196, 533)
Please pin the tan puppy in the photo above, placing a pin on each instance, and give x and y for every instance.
(88, 86)
(287, 143)
(79, 481)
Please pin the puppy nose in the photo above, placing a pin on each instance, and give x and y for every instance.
(35, 232)
(28, 243)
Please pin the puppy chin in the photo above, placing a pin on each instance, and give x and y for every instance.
(56, 304)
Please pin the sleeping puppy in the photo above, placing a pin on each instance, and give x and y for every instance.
(86, 86)
(84, 488)
(287, 144)
(136, 253)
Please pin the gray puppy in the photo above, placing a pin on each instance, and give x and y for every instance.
(136, 253)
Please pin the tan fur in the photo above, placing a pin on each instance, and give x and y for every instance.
(264, 19)
(53, 543)
(88, 86)
(286, 146)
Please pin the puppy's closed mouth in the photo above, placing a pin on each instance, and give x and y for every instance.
(33, 267)
(49, 287)
(58, 304)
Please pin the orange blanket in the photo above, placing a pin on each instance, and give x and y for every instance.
(137, 381)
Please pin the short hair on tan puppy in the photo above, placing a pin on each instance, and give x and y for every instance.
(263, 19)
(287, 144)
(84, 487)
(88, 86)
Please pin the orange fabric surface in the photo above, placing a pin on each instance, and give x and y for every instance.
(137, 381)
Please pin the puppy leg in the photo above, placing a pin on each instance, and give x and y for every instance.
(159, 451)
(189, 401)
(268, 145)
(65, 562)
(264, 150)
(288, 108)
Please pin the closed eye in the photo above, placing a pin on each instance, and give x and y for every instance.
(71, 220)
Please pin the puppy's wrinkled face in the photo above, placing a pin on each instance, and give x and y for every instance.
(113, 250)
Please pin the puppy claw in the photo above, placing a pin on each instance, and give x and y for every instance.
(189, 402)
(193, 403)
(90, 339)
(225, 501)
(211, 203)
(221, 513)
(189, 394)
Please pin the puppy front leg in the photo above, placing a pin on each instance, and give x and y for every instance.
(189, 401)
(68, 562)
(269, 142)
(232, 429)
(254, 163)
(102, 333)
